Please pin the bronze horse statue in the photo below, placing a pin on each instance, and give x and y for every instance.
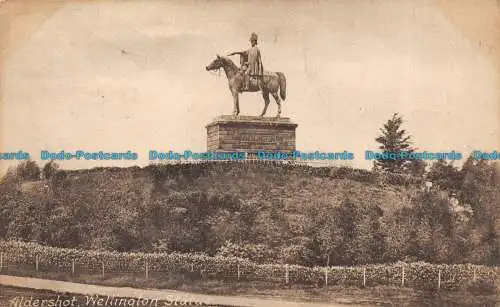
(269, 83)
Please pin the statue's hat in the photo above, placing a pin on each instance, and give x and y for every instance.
(253, 36)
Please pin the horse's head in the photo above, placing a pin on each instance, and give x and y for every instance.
(218, 63)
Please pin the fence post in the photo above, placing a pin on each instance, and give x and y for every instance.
(286, 274)
(192, 267)
(147, 269)
(439, 279)
(326, 276)
(1, 261)
(36, 263)
(403, 277)
(239, 272)
(73, 266)
(364, 277)
(102, 268)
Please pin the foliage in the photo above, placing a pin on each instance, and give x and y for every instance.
(416, 168)
(417, 275)
(445, 175)
(258, 253)
(480, 189)
(50, 169)
(273, 213)
(393, 140)
(25, 171)
(350, 234)
(297, 254)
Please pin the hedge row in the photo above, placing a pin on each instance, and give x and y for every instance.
(417, 275)
(196, 169)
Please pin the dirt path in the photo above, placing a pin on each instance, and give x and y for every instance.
(168, 295)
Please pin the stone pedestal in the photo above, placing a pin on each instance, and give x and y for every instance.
(250, 134)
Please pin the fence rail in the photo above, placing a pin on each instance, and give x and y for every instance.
(15, 261)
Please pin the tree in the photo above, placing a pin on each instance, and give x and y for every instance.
(445, 175)
(28, 171)
(50, 169)
(431, 223)
(416, 168)
(393, 140)
(481, 189)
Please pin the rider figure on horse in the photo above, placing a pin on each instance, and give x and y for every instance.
(251, 62)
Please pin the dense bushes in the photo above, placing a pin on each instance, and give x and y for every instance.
(258, 253)
(195, 170)
(277, 213)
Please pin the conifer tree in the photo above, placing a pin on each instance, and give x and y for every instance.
(393, 140)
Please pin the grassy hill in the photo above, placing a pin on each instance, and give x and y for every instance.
(294, 186)
(293, 212)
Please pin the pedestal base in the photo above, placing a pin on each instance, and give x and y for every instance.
(250, 134)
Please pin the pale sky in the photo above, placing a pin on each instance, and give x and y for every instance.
(66, 84)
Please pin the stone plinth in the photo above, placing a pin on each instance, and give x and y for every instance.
(250, 134)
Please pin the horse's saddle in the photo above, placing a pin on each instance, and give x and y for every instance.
(250, 81)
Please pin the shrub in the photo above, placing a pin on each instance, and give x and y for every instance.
(259, 253)
(417, 275)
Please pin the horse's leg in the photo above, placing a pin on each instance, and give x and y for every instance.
(265, 95)
(236, 102)
(278, 102)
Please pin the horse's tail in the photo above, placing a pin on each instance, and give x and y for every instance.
(282, 82)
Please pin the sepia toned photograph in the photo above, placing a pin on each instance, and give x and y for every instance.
(250, 153)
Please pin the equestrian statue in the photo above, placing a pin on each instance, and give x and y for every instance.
(251, 77)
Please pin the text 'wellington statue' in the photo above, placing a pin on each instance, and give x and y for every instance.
(251, 77)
